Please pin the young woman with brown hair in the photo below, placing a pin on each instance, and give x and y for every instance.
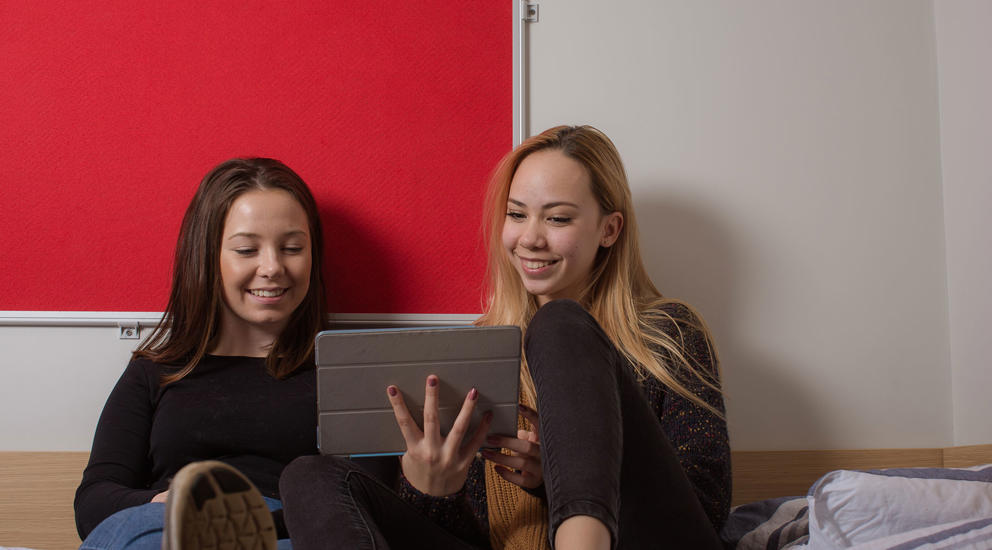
(228, 373)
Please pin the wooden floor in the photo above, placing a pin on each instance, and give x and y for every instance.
(36, 492)
(36, 489)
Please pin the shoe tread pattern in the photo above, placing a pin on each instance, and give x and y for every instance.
(228, 522)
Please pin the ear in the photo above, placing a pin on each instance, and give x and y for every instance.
(612, 225)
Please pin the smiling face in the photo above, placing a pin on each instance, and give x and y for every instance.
(554, 226)
(265, 263)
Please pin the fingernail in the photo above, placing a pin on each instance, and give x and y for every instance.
(522, 407)
(392, 391)
(432, 381)
(473, 394)
(492, 439)
(488, 416)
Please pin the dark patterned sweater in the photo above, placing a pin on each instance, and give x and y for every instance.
(698, 437)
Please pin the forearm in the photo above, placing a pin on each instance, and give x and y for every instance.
(453, 512)
(97, 501)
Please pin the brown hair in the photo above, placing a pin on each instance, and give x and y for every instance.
(618, 293)
(191, 321)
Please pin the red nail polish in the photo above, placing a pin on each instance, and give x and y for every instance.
(392, 391)
(432, 381)
(473, 394)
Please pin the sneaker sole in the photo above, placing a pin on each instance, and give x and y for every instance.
(212, 506)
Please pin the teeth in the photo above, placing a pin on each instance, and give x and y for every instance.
(268, 293)
(535, 265)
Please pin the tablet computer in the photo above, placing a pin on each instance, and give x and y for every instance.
(354, 367)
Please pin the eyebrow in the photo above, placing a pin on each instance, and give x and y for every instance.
(256, 235)
(546, 206)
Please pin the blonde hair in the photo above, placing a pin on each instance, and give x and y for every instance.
(618, 293)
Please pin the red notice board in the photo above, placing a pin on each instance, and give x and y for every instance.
(394, 112)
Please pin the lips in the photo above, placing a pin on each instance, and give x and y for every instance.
(536, 267)
(267, 293)
(537, 264)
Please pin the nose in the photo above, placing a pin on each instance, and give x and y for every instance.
(532, 237)
(270, 264)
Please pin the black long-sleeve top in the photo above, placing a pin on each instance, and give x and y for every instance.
(698, 437)
(227, 408)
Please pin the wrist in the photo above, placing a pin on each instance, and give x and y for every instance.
(428, 484)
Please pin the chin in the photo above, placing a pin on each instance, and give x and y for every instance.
(272, 320)
(539, 292)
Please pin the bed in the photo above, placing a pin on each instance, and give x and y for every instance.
(37, 488)
(879, 499)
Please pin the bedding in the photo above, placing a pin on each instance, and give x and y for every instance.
(774, 524)
(968, 534)
(897, 508)
(849, 508)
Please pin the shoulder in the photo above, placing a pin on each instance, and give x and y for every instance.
(677, 309)
(140, 367)
(146, 371)
(149, 366)
(675, 318)
(675, 326)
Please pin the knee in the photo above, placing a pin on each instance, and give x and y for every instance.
(559, 314)
(561, 328)
(559, 320)
(308, 470)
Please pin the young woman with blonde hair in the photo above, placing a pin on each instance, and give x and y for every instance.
(623, 442)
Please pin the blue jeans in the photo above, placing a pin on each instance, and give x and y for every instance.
(140, 528)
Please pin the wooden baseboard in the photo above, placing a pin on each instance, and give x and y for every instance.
(37, 488)
(759, 475)
(971, 455)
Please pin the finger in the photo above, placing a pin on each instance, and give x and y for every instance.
(411, 433)
(432, 427)
(519, 444)
(517, 478)
(528, 436)
(479, 435)
(515, 462)
(530, 414)
(462, 421)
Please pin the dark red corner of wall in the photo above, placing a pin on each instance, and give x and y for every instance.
(394, 112)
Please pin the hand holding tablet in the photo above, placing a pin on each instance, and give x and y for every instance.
(355, 368)
(523, 465)
(435, 464)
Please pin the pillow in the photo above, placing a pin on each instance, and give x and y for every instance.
(968, 534)
(848, 507)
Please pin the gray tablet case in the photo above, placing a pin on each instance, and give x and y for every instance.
(354, 367)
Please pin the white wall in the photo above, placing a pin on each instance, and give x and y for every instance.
(55, 382)
(964, 48)
(785, 163)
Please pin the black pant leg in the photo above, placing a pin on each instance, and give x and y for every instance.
(331, 502)
(571, 364)
(603, 450)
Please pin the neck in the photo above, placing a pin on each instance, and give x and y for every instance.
(245, 341)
